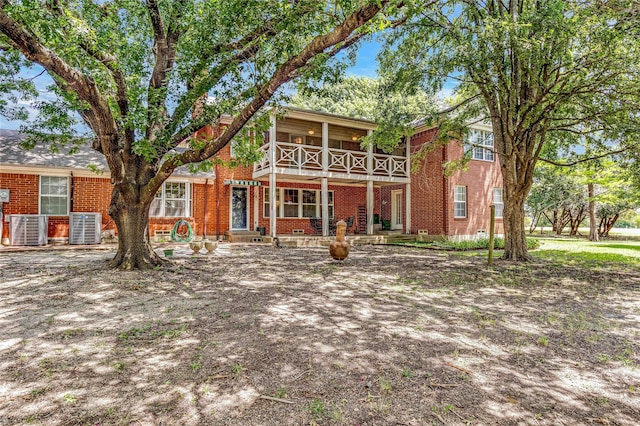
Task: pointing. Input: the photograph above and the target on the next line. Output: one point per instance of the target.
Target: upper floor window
(460, 201)
(498, 201)
(54, 195)
(482, 144)
(172, 200)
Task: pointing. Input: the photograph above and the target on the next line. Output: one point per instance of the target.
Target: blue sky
(366, 65)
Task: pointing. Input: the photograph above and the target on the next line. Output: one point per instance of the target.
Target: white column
(370, 207)
(407, 208)
(256, 206)
(407, 197)
(272, 176)
(324, 196)
(370, 200)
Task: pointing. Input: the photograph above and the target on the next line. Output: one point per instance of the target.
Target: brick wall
(94, 195)
(428, 195)
(432, 192)
(346, 202)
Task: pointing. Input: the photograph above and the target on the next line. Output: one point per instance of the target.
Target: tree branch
(282, 75)
(595, 157)
(80, 84)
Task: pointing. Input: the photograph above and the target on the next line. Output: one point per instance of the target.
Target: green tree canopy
(541, 72)
(370, 99)
(136, 73)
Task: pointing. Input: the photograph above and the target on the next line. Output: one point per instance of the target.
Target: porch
(322, 149)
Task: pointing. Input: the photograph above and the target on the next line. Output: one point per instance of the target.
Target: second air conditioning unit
(84, 228)
(28, 229)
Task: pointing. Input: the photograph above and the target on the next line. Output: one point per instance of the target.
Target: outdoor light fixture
(311, 131)
(354, 138)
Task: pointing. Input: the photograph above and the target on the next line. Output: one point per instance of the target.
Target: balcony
(303, 160)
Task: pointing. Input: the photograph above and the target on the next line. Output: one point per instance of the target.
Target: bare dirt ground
(392, 336)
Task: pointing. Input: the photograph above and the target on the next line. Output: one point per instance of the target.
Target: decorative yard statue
(339, 249)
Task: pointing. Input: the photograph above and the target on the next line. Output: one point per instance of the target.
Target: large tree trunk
(130, 212)
(593, 226)
(515, 240)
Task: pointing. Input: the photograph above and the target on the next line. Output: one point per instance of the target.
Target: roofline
(306, 114)
(476, 126)
(9, 168)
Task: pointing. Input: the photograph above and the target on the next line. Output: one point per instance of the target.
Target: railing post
(324, 192)
(408, 186)
(370, 201)
(492, 224)
(272, 176)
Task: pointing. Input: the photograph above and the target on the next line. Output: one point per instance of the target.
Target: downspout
(204, 213)
(71, 194)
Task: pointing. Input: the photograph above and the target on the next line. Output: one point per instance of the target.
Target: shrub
(480, 244)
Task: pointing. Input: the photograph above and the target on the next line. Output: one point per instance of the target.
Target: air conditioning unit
(84, 228)
(28, 229)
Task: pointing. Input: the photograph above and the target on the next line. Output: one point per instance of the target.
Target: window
(298, 203)
(309, 204)
(498, 201)
(267, 202)
(291, 202)
(479, 139)
(459, 201)
(172, 200)
(54, 195)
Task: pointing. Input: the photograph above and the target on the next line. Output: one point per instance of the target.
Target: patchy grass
(584, 253)
(393, 335)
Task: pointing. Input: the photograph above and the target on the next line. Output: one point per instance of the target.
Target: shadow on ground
(391, 336)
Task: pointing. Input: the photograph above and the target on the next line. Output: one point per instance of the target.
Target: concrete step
(244, 237)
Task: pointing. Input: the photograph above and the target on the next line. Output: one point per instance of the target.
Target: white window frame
(40, 195)
(280, 208)
(481, 142)
(457, 201)
(498, 202)
(266, 205)
(163, 199)
(284, 202)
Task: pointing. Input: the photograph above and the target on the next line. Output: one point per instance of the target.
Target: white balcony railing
(298, 158)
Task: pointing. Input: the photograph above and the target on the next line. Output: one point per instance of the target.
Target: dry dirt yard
(253, 335)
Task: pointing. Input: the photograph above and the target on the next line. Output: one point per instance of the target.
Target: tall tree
(367, 98)
(135, 72)
(539, 71)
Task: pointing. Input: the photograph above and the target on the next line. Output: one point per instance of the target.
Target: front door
(396, 209)
(239, 209)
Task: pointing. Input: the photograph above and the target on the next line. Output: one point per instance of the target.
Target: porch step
(401, 238)
(245, 237)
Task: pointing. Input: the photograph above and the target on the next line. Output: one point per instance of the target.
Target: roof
(12, 154)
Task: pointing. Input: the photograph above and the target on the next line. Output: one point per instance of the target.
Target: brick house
(313, 167)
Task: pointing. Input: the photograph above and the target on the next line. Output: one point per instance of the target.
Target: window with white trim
(297, 203)
(291, 202)
(267, 202)
(498, 201)
(54, 195)
(173, 199)
(478, 139)
(459, 201)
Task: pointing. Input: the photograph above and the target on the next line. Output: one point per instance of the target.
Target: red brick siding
(346, 202)
(94, 195)
(480, 177)
(428, 203)
(432, 192)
